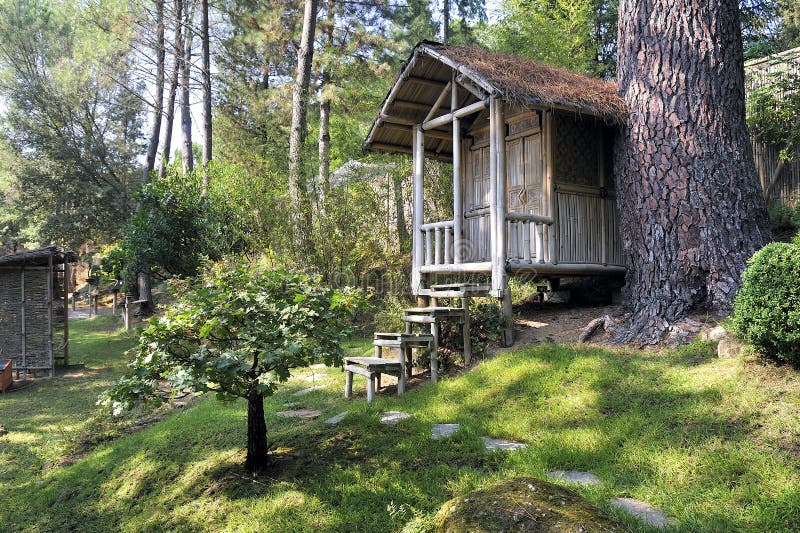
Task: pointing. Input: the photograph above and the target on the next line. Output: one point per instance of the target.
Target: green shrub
(784, 220)
(767, 308)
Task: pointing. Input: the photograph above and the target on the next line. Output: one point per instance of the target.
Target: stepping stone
(500, 444)
(393, 417)
(332, 421)
(441, 431)
(643, 511)
(305, 414)
(574, 476)
(306, 391)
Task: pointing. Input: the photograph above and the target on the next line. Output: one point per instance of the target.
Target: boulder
(524, 505)
(729, 347)
(715, 334)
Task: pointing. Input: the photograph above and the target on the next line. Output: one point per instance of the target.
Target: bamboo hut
(530, 147)
(34, 328)
(784, 185)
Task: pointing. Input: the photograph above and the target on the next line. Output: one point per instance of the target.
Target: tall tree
(206, 83)
(297, 134)
(177, 53)
(158, 101)
(691, 211)
(186, 80)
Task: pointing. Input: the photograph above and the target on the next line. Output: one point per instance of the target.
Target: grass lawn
(714, 443)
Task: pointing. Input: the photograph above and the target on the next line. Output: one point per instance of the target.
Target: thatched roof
(39, 257)
(522, 81)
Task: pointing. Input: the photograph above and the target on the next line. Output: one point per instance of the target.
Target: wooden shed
(34, 328)
(530, 147)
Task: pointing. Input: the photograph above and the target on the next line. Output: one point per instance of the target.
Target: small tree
(238, 331)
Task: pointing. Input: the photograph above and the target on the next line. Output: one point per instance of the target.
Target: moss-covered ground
(714, 443)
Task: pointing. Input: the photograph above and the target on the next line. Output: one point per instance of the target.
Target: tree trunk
(297, 134)
(445, 20)
(186, 65)
(324, 141)
(403, 238)
(257, 449)
(690, 206)
(206, 80)
(158, 107)
(145, 283)
(173, 89)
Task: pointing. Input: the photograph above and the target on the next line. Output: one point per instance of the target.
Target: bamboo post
(114, 302)
(551, 190)
(499, 127)
(466, 331)
(127, 313)
(417, 218)
(458, 195)
(493, 213)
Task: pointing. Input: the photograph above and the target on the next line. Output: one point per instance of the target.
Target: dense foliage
(237, 332)
(767, 307)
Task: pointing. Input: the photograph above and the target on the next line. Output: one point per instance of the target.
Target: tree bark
(403, 237)
(297, 134)
(324, 141)
(690, 206)
(173, 89)
(257, 448)
(186, 113)
(445, 20)
(206, 80)
(158, 107)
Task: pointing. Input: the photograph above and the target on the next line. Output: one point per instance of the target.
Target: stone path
(500, 444)
(305, 414)
(574, 476)
(393, 417)
(643, 511)
(332, 421)
(441, 431)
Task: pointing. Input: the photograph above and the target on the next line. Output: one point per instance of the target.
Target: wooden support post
(435, 352)
(508, 315)
(348, 384)
(370, 389)
(50, 356)
(127, 315)
(114, 303)
(466, 331)
(417, 215)
(550, 188)
(458, 195)
(499, 126)
(493, 215)
(401, 377)
(24, 346)
(379, 355)
(66, 311)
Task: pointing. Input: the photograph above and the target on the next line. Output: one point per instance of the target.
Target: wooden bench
(435, 316)
(373, 367)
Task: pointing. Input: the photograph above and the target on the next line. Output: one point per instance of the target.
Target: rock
(300, 413)
(303, 392)
(523, 505)
(643, 511)
(500, 444)
(557, 297)
(574, 476)
(729, 347)
(393, 417)
(441, 431)
(715, 334)
(332, 421)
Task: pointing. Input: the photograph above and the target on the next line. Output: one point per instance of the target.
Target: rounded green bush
(767, 309)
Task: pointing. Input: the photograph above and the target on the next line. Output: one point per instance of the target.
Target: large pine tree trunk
(257, 448)
(691, 211)
(297, 134)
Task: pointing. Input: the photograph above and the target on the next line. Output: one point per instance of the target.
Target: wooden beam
(458, 113)
(400, 149)
(391, 119)
(439, 101)
(413, 105)
(433, 134)
(493, 216)
(425, 81)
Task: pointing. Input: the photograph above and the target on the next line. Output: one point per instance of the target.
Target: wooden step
(456, 290)
(375, 364)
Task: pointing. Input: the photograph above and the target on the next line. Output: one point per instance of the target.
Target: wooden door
(524, 171)
(476, 216)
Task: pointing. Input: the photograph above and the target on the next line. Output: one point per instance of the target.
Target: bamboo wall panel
(37, 338)
(576, 144)
(788, 188)
(587, 229)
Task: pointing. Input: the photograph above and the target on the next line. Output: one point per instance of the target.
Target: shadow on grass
(639, 421)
